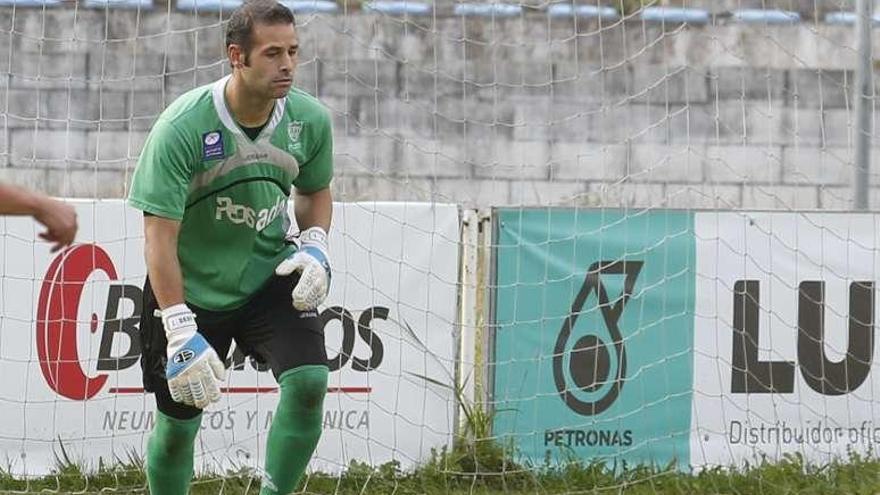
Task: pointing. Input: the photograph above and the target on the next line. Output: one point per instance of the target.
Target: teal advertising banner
(594, 320)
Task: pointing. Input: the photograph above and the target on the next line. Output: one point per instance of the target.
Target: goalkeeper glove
(194, 370)
(311, 261)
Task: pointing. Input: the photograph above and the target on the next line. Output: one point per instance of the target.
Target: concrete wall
(806, 8)
(521, 111)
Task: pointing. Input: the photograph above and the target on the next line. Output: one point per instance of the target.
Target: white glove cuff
(315, 236)
(178, 317)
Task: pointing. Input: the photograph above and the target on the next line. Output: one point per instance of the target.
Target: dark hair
(240, 29)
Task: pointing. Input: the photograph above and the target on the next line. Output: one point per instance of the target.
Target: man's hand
(313, 264)
(59, 219)
(194, 370)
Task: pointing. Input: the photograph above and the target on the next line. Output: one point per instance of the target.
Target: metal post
(863, 104)
(468, 318)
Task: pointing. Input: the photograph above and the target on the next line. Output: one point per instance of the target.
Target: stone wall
(524, 111)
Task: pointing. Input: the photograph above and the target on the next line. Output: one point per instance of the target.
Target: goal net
(577, 245)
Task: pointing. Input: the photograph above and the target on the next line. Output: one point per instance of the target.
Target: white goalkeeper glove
(194, 371)
(313, 264)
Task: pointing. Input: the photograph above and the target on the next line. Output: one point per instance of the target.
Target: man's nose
(287, 66)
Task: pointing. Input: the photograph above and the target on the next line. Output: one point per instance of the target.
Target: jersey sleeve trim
(155, 209)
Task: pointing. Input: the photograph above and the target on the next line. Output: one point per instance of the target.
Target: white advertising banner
(69, 347)
(784, 339)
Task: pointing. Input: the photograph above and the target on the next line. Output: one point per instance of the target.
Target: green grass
(478, 465)
(482, 469)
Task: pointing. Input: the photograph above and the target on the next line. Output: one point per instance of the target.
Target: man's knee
(305, 387)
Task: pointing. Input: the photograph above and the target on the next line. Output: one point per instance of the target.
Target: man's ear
(236, 58)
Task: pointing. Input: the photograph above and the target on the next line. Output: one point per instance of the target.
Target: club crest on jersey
(294, 129)
(212, 145)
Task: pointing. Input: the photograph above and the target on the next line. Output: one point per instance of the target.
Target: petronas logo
(596, 369)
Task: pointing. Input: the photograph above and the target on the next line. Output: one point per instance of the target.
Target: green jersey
(229, 191)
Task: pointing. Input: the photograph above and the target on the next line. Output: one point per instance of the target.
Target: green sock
(296, 428)
(170, 454)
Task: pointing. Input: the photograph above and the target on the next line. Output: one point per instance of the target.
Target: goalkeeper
(213, 181)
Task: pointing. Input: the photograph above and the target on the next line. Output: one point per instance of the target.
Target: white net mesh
(647, 290)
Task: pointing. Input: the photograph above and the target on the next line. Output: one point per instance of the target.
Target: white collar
(218, 93)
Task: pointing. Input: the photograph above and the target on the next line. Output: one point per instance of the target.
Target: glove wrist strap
(178, 318)
(314, 236)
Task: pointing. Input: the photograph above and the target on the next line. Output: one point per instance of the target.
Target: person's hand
(194, 371)
(313, 264)
(60, 222)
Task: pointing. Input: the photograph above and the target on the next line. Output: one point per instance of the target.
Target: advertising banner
(785, 337)
(707, 338)
(69, 345)
(593, 334)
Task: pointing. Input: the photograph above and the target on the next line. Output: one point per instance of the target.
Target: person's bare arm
(163, 266)
(58, 218)
(192, 379)
(313, 214)
(313, 209)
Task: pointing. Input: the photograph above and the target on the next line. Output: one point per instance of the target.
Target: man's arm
(313, 214)
(58, 218)
(18, 201)
(313, 209)
(194, 369)
(163, 266)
